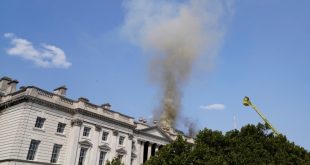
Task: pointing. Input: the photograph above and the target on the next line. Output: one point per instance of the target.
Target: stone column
(128, 147)
(73, 142)
(156, 148)
(96, 138)
(138, 152)
(114, 144)
(141, 154)
(149, 150)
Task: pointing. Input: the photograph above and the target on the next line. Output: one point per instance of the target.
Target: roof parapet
(83, 99)
(62, 90)
(106, 106)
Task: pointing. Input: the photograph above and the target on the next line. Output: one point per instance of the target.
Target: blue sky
(264, 54)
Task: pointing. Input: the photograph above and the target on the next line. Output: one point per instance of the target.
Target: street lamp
(247, 102)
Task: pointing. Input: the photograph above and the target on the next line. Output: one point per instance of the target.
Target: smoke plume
(175, 34)
(191, 126)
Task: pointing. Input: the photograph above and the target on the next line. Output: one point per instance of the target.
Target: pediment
(86, 143)
(121, 151)
(155, 131)
(133, 155)
(105, 147)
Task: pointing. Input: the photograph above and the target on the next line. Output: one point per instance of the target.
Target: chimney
(61, 90)
(4, 84)
(12, 86)
(142, 120)
(22, 87)
(83, 99)
(7, 85)
(106, 106)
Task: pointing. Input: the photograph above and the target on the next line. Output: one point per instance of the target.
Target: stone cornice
(91, 114)
(86, 143)
(121, 151)
(105, 147)
(18, 97)
(143, 132)
(153, 136)
(24, 89)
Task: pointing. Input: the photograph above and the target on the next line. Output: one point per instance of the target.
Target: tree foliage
(251, 145)
(115, 161)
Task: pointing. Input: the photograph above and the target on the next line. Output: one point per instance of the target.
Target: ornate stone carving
(121, 151)
(86, 143)
(130, 136)
(105, 147)
(76, 122)
(115, 132)
(98, 128)
(133, 155)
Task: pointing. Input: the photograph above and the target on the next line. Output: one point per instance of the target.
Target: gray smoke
(175, 34)
(191, 126)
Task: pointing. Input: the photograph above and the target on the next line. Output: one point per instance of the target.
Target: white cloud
(213, 107)
(46, 56)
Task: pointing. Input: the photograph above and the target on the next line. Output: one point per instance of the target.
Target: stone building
(42, 127)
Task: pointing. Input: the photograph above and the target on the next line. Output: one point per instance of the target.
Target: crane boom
(247, 102)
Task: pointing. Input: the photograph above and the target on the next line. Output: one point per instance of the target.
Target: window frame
(82, 161)
(107, 136)
(55, 153)
(123, 141)
(39, 124)
(88, 133)
(133, 146)
(33, 148)
(102, 159)
(61, 128)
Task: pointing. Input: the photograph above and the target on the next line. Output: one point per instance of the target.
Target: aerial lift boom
(247, 102)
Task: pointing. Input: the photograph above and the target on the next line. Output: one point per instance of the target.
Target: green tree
(115, 161)
(176, 152)
(251, 145)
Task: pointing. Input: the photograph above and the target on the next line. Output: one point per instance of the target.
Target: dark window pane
(101, 157)
(32, 149)
(55, 153)
(61, 127)
(82, 156)
(121, 140)
(39, 122)
(105, 136)
(86, 131)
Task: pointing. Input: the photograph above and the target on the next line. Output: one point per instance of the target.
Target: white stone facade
(41, 127)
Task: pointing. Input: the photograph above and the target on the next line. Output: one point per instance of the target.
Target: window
(133, 146)
(61, 127)
(121, 140)
(82, 156)
(55, 153)
(101, 157)
(131, 161)
(39, 122)
(105, 136)
(86, 131)
(32, 149)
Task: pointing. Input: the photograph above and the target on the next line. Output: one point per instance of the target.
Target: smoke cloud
(175, 34)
